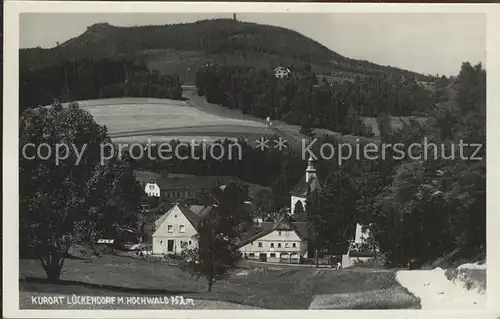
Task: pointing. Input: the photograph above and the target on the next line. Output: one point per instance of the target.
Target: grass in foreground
(270, 288)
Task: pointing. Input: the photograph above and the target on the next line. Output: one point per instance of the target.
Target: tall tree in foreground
(214, 256)
(216, 252)
(64, 203)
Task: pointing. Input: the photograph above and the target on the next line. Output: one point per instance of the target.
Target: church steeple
(311, 170)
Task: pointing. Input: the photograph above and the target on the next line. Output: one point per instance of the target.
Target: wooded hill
(182, 48)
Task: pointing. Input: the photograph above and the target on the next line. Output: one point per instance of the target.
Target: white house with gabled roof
(176, 228)
(282, 241)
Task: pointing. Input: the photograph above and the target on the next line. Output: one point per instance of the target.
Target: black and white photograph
(251, 160)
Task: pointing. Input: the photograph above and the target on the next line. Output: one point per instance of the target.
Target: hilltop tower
(234, 17)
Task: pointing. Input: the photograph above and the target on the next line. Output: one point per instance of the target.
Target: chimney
(310, 171)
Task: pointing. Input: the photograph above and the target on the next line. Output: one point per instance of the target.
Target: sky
(431, 43)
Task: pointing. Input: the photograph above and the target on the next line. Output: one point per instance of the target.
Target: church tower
(234, 16)
(309, 183)
(311, 170)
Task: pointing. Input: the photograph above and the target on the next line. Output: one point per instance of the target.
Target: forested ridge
(249, 43)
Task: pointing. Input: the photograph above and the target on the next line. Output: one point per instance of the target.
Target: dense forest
(425, 209)
(87, 79)
(305, 100)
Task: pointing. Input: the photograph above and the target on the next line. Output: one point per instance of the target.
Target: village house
(180, 187)
(282, 241)
(152, 189)
(177, 229)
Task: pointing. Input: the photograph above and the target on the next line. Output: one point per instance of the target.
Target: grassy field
(272, 287)
(139, 119)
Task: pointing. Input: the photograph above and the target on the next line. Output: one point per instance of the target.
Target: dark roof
(196, 208)
(145, 176)
(301, 228)
(269, 219)
(361, 254)
(267, 227)
(192, 181)
(304, 188)
(154, 213)
(194, 218)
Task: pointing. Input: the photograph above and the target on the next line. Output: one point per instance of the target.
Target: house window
(181, 229)
(272, 255)
(251, 254)
(190, 242)
(260, 244)
(294, 245)
(279, 233)
(170, 229)
(279, 245)
(161, 242)
(272, 245)
(286, 245)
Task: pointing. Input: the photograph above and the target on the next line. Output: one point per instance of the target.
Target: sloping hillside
(179, 48)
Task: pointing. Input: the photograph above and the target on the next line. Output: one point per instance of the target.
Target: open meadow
(139, 119)
(268, 287)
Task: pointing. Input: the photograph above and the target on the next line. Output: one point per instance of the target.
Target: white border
(10, 151)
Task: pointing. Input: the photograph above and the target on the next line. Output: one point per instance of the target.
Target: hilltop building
(281, 72)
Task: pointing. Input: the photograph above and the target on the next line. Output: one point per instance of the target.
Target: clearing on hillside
(139, 119)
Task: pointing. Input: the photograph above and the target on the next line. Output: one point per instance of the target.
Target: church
(289, 238)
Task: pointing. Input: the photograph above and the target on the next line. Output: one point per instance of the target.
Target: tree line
(245, 161)
(84, 79)
(311, 101)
